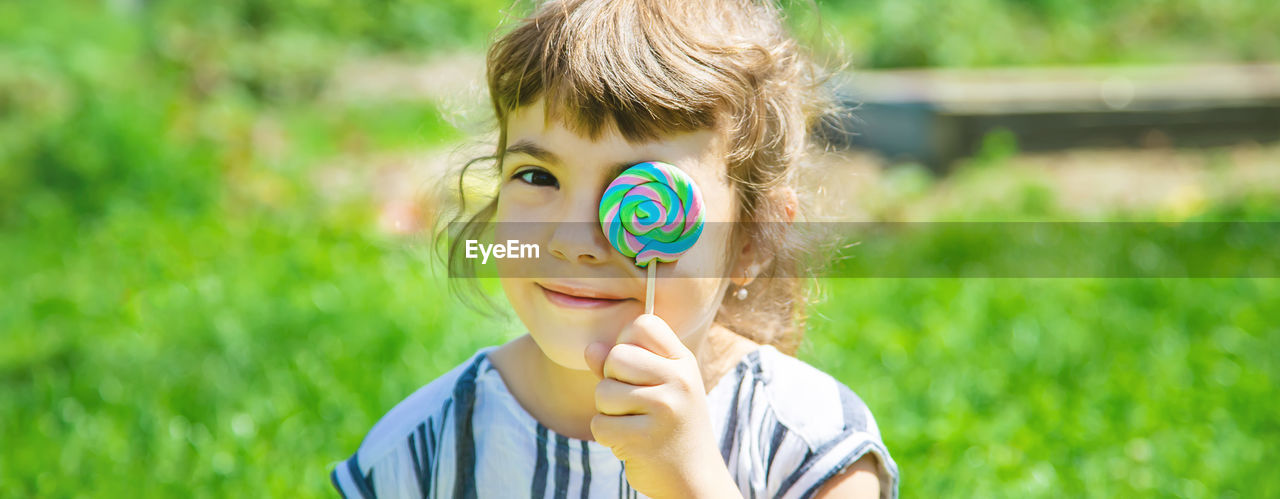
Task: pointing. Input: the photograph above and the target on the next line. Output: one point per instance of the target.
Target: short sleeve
(833, 457)
(810, 462)
(351, 481)
(403, 455)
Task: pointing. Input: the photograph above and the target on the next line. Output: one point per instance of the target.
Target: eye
(537, 176)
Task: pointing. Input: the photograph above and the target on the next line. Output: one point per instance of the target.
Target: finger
(616, 398)
(615, 431)
(595, 355)
(634, 365)
(655, 335)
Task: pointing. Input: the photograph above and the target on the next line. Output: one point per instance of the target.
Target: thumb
(652, 333)
(595, 354)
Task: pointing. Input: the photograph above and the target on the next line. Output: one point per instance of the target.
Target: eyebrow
(526, 147)
(541, 154)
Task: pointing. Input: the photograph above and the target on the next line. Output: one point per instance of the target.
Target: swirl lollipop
(652, 211)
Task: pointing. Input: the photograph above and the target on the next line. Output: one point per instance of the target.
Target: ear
(745, 266)
(749, 261)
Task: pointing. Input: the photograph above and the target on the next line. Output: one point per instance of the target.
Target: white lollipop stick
(648, 288)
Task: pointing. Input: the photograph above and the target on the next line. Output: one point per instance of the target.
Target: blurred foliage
(956, 33)
(185, 314)
(124, 102)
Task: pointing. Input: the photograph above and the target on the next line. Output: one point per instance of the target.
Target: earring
(741, 294)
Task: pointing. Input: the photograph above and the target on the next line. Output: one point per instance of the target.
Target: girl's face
(553, 179)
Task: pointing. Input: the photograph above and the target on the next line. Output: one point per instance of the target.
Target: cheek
(523, 203)
(530, 237)
(518, 297)
(687, 304)
(689, 289)
(709, 256)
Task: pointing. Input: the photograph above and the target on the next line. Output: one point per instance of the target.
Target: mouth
(578, 297)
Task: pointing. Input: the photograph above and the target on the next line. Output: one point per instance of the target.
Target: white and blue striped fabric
(784, 428)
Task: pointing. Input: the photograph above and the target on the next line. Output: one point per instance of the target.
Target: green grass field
(186, 314)
(231, 355)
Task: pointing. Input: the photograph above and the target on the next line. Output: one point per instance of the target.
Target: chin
(566, 353)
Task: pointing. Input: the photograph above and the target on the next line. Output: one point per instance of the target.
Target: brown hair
(655, 67)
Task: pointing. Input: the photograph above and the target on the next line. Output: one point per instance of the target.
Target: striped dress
(784, 428)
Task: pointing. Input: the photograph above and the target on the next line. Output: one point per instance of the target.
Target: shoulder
(811, 403)
(429, 403)
(824, 427)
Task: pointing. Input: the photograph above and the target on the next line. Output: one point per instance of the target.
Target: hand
(653, 413)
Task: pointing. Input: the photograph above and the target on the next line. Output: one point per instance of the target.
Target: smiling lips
(578, 297)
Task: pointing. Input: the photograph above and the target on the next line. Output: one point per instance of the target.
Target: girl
(699, 399)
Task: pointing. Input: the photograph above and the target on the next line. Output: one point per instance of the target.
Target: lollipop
(652, 211)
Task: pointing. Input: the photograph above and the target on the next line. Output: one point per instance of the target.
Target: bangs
(628, 64)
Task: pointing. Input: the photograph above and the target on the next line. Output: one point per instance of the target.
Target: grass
(157, 354)
(154, 355)
(184, 314)
(1051, 387)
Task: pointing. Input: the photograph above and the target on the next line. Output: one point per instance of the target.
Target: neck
(568, 408)
(718, 351)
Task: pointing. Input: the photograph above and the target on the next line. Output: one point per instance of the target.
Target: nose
(578, 238)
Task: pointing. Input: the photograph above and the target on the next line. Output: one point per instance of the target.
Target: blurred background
(215, 279)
